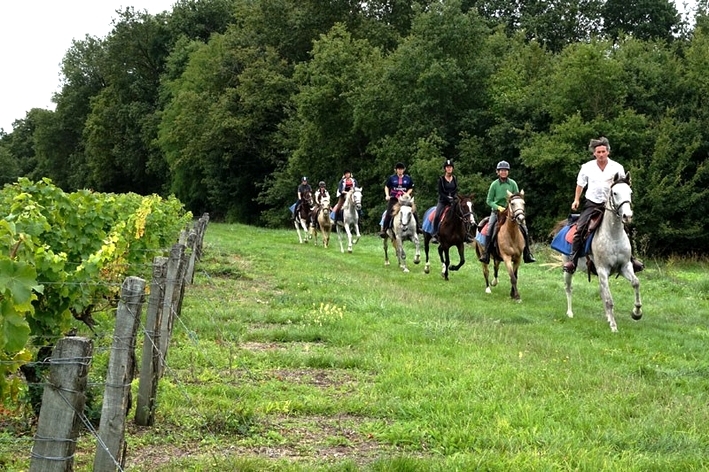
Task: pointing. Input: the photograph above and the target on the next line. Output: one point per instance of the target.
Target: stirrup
(434, 239)
(570, 267)
(485, 258)
(638, 265)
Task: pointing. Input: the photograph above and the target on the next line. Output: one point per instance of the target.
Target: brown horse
(455, 226)
(510, 243)
(321, 214)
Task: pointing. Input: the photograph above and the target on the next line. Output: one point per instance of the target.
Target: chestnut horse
(510, 243)
(456, 224)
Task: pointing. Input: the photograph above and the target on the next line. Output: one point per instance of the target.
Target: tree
(643, 19)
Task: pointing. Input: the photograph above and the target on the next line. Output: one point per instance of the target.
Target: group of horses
(311, 216)
(610, 249)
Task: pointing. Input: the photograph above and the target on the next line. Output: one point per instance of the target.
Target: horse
(455, 225)
(301, 218)
(404, 229)
(321, 214)
(610, 251)
(510, 243)
(350, 217)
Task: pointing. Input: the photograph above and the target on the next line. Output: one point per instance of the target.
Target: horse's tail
(557, 227)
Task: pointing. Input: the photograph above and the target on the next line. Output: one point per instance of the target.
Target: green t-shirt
(497, 195)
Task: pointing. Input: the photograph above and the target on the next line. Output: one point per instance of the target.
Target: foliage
(64, 256)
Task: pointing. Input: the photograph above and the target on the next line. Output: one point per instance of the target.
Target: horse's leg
(495, 272)
(568, 279)
(356, 227)
(339, 237)
(606, 296)
(297, 228)
(461, 256)
(385, 245)
(512, 270)
(417, 243)
(444, 254)
(426, 245)
(401, 253)
(349, 237)
(629, 274)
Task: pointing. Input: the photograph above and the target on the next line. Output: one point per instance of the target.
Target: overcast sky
(36, 34)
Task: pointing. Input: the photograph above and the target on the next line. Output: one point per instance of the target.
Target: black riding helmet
(448, 162)
(399, 165)
(304, 179)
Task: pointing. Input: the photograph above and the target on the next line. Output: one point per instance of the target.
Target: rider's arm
(577, 197)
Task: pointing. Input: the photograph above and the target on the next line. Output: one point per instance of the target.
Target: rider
(347, 182)
(596, 176)
(497, 200)
(302, 188)
(321, 193)
(395, 186)
(447, 191)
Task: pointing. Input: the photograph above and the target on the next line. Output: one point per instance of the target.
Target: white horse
(301, 218)
(611, 250)
(404, 229)
(324, 222)
(350, 217)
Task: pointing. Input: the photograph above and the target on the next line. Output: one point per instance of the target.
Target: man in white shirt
(596, 176)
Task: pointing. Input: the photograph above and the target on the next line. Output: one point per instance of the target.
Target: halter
(610, 203)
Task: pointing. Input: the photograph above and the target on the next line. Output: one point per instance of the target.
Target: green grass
(298, 358)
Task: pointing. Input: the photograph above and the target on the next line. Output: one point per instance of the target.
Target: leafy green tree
(643, 19)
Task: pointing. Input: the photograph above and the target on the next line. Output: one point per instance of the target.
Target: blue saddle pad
(427, 222)
(560, 244)
(481, 238)
(292, 208)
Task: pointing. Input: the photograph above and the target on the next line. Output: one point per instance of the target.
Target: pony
(321, 214)
(301, 217)
(404, 229)
(456, 224)
(510, 244)
(350, 218)
(610, 251)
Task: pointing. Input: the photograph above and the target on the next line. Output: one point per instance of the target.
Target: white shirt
(598, 181)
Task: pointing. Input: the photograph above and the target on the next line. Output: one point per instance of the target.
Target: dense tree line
(226, 103)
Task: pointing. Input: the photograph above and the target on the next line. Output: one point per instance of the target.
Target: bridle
(614, 207)
(465, 215)
(516, 211)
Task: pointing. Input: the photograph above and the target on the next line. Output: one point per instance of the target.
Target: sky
(36, 34)
(34, 37)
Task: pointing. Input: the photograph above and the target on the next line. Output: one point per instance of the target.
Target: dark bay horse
(456, 224)
(611, 251)
(510, 243)
(301, 218)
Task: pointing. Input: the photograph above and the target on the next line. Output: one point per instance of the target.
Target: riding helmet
(304, 179)
(503, 165)
(321, 184)
(448, 162)
(399, 165)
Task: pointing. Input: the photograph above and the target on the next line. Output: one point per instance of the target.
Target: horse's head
(406, 212)
(620, 200)
(468, 212)
(515, 207)
(356, 195)
(325, 202)
(308, 197)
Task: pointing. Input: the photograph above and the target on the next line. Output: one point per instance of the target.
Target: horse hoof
(636, 316)
(406, 271)
(570, 314)
(487, 290)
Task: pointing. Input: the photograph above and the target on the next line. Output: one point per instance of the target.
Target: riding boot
(434, 236)
(638, 265)
(527, 253)
(385, 226)
(485, 258)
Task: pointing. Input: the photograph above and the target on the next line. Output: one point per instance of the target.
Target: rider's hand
(500, 208)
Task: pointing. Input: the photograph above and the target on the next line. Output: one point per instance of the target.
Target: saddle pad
(563, 244)
(560, 244)
(571, 233)
(485, 229)
(481, 238)
(292, 208)
(428, 217)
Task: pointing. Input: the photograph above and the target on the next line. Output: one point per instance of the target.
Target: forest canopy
(227, 103)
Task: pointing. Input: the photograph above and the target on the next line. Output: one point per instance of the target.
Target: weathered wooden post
(192, 244)
(62, 406)
(173, 287)
(150, 369)
(111, 449)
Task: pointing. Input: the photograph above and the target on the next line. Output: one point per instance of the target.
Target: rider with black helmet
(497, 201)
(302, 188)
(447, 191)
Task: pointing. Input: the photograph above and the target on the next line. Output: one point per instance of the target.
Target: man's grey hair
(602, 141)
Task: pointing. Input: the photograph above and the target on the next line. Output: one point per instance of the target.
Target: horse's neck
(511, 227)
(612, 225)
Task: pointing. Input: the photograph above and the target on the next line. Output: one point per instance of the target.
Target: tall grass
(294, 357)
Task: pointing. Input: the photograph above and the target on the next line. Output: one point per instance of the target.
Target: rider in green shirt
(497, 201)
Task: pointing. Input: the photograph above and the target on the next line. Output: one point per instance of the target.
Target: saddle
(593, 224)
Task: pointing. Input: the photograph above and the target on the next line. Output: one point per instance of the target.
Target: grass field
(299, 358)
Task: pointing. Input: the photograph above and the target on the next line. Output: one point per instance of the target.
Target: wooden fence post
(173, 287)
(62, 406)
(111, 449)
(192, 244)
(150, 369)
